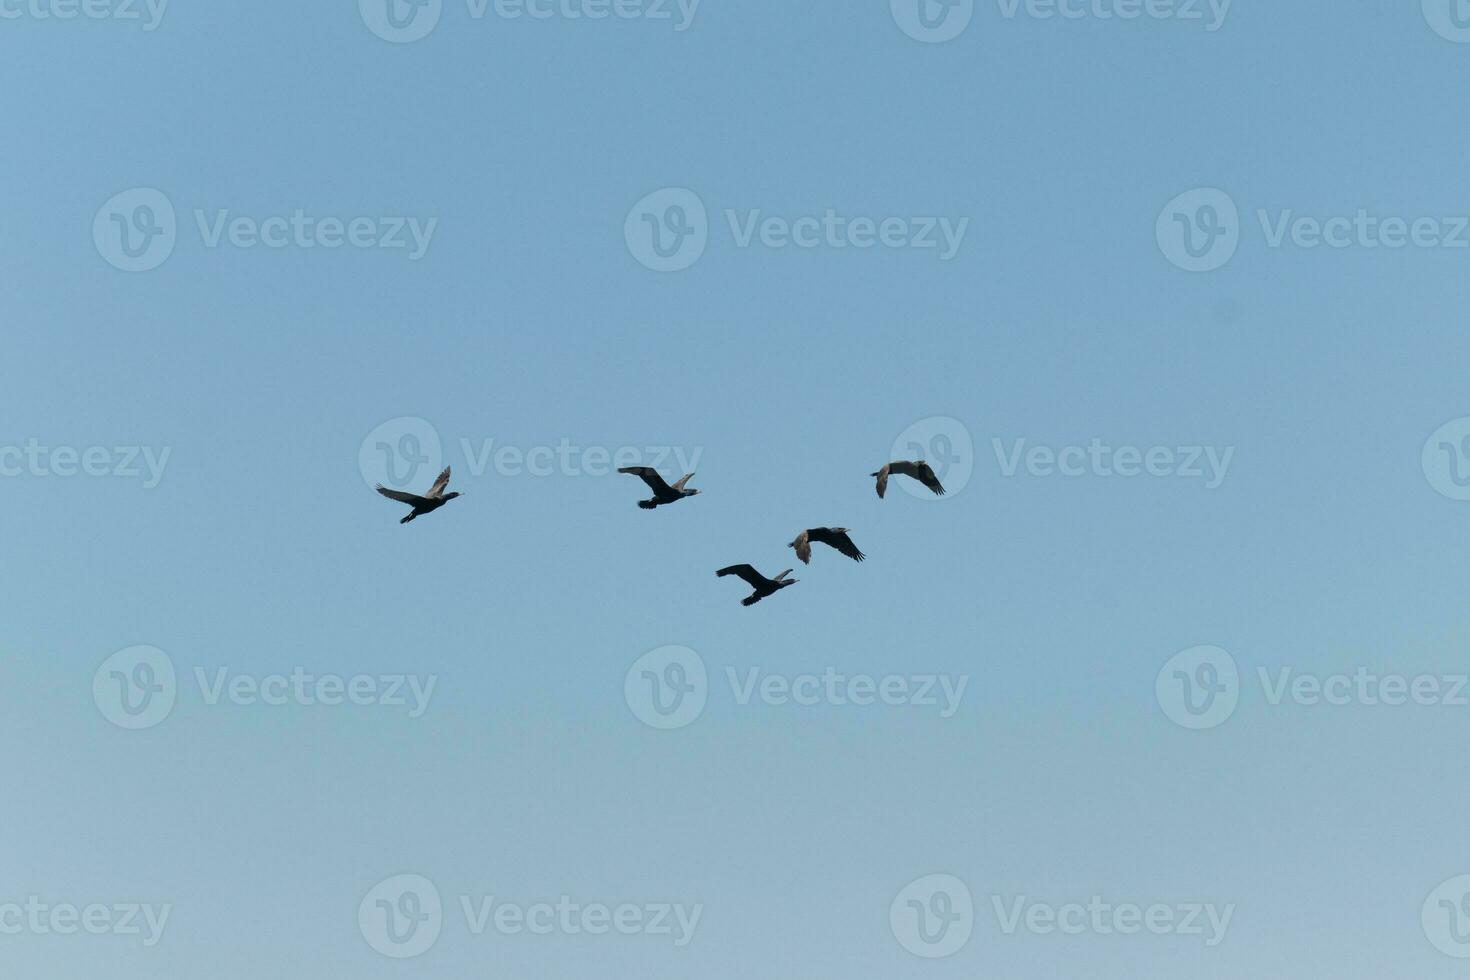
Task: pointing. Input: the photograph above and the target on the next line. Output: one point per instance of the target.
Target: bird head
(451, 496)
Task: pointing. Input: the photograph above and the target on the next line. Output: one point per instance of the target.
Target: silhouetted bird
(662, 492)
(835, 537)
(918, 470)
(428, 503)
(763, 586)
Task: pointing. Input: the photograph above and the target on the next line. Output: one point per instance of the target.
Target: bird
(662, 492)
(835, 537)
(918, 469)
(763, 586)
(428, 503)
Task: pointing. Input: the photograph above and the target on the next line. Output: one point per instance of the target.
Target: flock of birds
(665, 493)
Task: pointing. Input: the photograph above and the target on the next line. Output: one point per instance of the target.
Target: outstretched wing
(755, 578)
(803, 547)
(402, 497)
(683, 480)
(437, 490)
(882, 476)
(838, 540)
(782, 576)
(926, 476)
(648, 475)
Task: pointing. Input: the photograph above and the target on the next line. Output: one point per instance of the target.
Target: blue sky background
(529, 322)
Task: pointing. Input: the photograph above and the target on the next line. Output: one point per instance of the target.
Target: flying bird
(834, 537)
(763, 586)
(919, 470)
(428, 503)
(662, 492)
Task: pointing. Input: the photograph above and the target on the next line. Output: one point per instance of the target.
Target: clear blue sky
(529, 321)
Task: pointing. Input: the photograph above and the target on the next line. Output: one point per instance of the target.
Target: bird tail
(411, 516)
(647, 504)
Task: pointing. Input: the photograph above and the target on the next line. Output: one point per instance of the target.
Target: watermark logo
(1450, 19)
(39, 918)
(668, 230)
(1184, 11)
(302, 230)
(1446, 459)
(406, 21)
(1209, 464)
(836, 231)
(679, 13)
(933, 916)
(135, 688)
(838, 690)
(567, 917)
(401, 21)
(148, 12)
(403, 453)
(138, 687)
(1199, 231)
(932, 21)
(1199, 688)
(121, 462)
(1103, 918)
(1446, 917)
(409, 691)
(937, 21)
(945, 444)
(404, 916)
(1363, 687)
(136, 230)
(568, 459)
(401, 917)
(667, 688)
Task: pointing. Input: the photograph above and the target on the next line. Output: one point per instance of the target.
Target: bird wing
(782, 576)
(838, 540)
(755, 578)
(402, 497)
(925, 475)
(648, 475)
(683, 480)
(882, 476)
(803, 547)
(442, 481)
